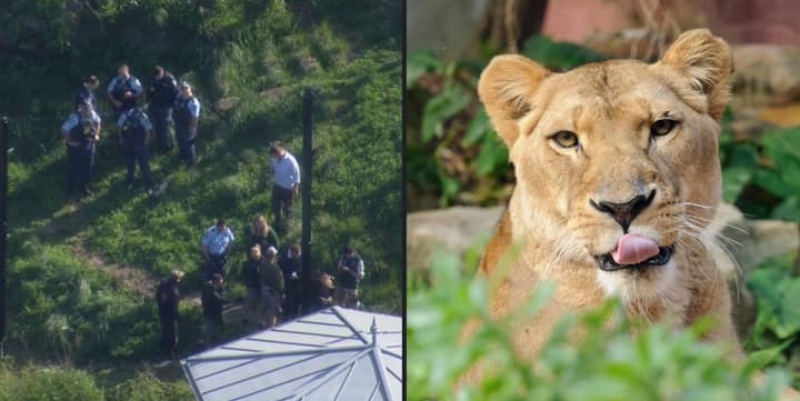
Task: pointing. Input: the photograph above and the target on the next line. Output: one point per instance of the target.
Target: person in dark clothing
(351, 271)
(213, 298)
(292, 269)
(81, 131)
(251, 275)
(86, 92)
(134, 134)
(262, 234)
(167, 297)
(161, 95)
(186, 112)
(272, 286)
(322, 296)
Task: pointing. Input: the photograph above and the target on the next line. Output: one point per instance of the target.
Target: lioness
(618, 176)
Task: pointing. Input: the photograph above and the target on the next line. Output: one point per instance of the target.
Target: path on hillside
(140, 281)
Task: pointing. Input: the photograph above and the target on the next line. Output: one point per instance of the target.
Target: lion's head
(616, 162)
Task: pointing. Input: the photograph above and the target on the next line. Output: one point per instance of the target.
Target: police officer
(186, 111)
(168, 297)
(123, 91)
(134, 133)
(81, 131)
(161, 95)
(85, 93)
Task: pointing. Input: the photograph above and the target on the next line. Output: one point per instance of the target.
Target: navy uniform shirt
(85, 95)
(163, 91)
(185, 109)
(81, 129)
(134, 126)
(118, 86)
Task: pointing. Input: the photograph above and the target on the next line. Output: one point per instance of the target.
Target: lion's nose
(625, 212)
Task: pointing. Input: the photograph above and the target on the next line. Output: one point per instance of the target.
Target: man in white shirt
(285, 183)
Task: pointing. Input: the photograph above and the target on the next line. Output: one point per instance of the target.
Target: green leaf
(450, 188)
(419, 63)
(760, 359)
(727, 115)
(788, 210)
(559, 55)
(774, 182)
(762, 283)
(789, 315)
(442, 107)
(733, 181)
(783, 148)
(744, 156)
(493, 156)
(478, 128)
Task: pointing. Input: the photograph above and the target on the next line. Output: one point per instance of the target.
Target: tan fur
(611, 106)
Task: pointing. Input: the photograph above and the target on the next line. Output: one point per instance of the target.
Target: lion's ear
(506, 87)
(706, 60)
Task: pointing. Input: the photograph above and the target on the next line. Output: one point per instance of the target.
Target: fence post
(4, 127)
(305, 179)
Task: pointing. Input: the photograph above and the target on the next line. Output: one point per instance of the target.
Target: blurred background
(459, 179)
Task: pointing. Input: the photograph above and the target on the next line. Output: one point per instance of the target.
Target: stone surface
(444, 26)
(766, 73)
(454, 229)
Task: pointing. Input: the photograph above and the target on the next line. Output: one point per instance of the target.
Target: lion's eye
(662, 127)
(565, 139)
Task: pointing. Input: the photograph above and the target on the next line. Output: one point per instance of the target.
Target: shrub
(48, 384)
(146, 387)
(608, 364)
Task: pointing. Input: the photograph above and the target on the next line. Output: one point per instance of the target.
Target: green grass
(70, 300)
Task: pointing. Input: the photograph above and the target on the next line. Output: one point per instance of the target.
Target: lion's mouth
(607, 263)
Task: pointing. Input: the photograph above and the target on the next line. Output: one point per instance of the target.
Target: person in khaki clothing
(272, 287)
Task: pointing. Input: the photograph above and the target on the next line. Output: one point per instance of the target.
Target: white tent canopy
(335, 354)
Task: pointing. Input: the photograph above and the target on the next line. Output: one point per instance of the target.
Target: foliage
(146, 387)
(608, 364)
(64, 383)
(78, 311)
(249, 62)
(451, 147)
(775, 337)
(48, 384)
(762, 175)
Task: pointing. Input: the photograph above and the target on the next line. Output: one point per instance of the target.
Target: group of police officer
(166, 101)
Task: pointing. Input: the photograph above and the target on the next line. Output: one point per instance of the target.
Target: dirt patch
(141, 282)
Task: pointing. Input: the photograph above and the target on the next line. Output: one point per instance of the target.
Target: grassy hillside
(82, 273)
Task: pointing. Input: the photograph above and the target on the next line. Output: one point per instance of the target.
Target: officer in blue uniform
(161, 95)
(123, 91)
(186, 111)
(86, 92)
(134, 132)
(81, 131)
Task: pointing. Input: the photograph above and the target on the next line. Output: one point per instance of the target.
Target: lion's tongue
(633, 249)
